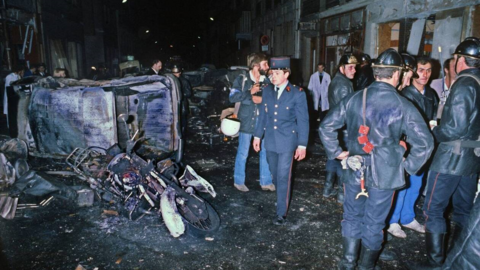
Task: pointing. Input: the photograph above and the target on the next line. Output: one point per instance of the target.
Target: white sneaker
(414, 225)
(270, 187)
(396, 230)
(242, 188)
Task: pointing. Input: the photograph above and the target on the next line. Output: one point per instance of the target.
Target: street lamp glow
(124, 1)
(198, 37)
(147, 31)
(211, 19)
(193, 46)
(171, 46)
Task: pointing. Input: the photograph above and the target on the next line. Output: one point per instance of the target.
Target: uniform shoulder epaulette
(298, 87)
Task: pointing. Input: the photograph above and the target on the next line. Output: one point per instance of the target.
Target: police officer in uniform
(456, 163)
(340, 87)
(376, 166)
(283, 122)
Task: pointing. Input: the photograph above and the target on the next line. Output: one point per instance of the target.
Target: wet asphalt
(64, 236)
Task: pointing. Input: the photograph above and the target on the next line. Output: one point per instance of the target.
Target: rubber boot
(351, 248)
(328, 190)
(387, 255)
(368, 258)
(455, 236)
(341, 193)
(435, 253)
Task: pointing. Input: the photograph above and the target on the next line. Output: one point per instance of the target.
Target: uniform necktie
(277, 90)
(321, 77)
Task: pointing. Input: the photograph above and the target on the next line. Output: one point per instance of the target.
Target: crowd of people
(20, 71)
(388, 131)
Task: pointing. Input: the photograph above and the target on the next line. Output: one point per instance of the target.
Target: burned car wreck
(122, 137)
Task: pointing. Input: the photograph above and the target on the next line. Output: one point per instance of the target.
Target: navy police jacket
(283, 122)
(247, 113)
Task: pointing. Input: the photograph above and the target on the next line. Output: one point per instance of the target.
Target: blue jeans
(440, 188)
(404, 207)
(244, 142)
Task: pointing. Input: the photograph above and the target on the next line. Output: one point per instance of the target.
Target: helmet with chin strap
(410, 64)
(470, 47)
(390, 58)
(365, 58)
(176, 69)
(348, 59)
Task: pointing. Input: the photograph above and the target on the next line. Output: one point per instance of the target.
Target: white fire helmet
(230, 126)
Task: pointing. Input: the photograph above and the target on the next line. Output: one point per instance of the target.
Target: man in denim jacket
(247, 90)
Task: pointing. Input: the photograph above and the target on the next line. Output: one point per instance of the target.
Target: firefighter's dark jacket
(339, 87)
(460, 121)
(388, 115)
(427, 103)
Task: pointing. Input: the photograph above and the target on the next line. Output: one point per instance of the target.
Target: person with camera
(247, 90)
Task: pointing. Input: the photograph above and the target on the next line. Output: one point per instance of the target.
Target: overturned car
(122, 137)
(54, 120)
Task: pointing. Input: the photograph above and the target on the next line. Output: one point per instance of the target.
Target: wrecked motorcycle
(146, 188)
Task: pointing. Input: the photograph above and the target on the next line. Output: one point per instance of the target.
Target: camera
(261, 85)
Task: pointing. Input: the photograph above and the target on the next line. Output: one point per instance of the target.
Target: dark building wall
(59, 27)
(63, 31)
(26, 5)
(94, 33)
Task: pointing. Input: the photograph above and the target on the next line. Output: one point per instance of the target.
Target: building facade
(71, 34)
(329, 28)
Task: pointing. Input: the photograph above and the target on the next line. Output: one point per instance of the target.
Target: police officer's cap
(348, 59)
(366, 58)
(470, 47)
(389, 59)
(410, 64)
(280, 63)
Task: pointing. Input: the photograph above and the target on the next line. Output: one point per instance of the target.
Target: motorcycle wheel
(200, 227)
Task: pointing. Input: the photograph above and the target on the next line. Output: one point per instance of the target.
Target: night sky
(177, 23)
